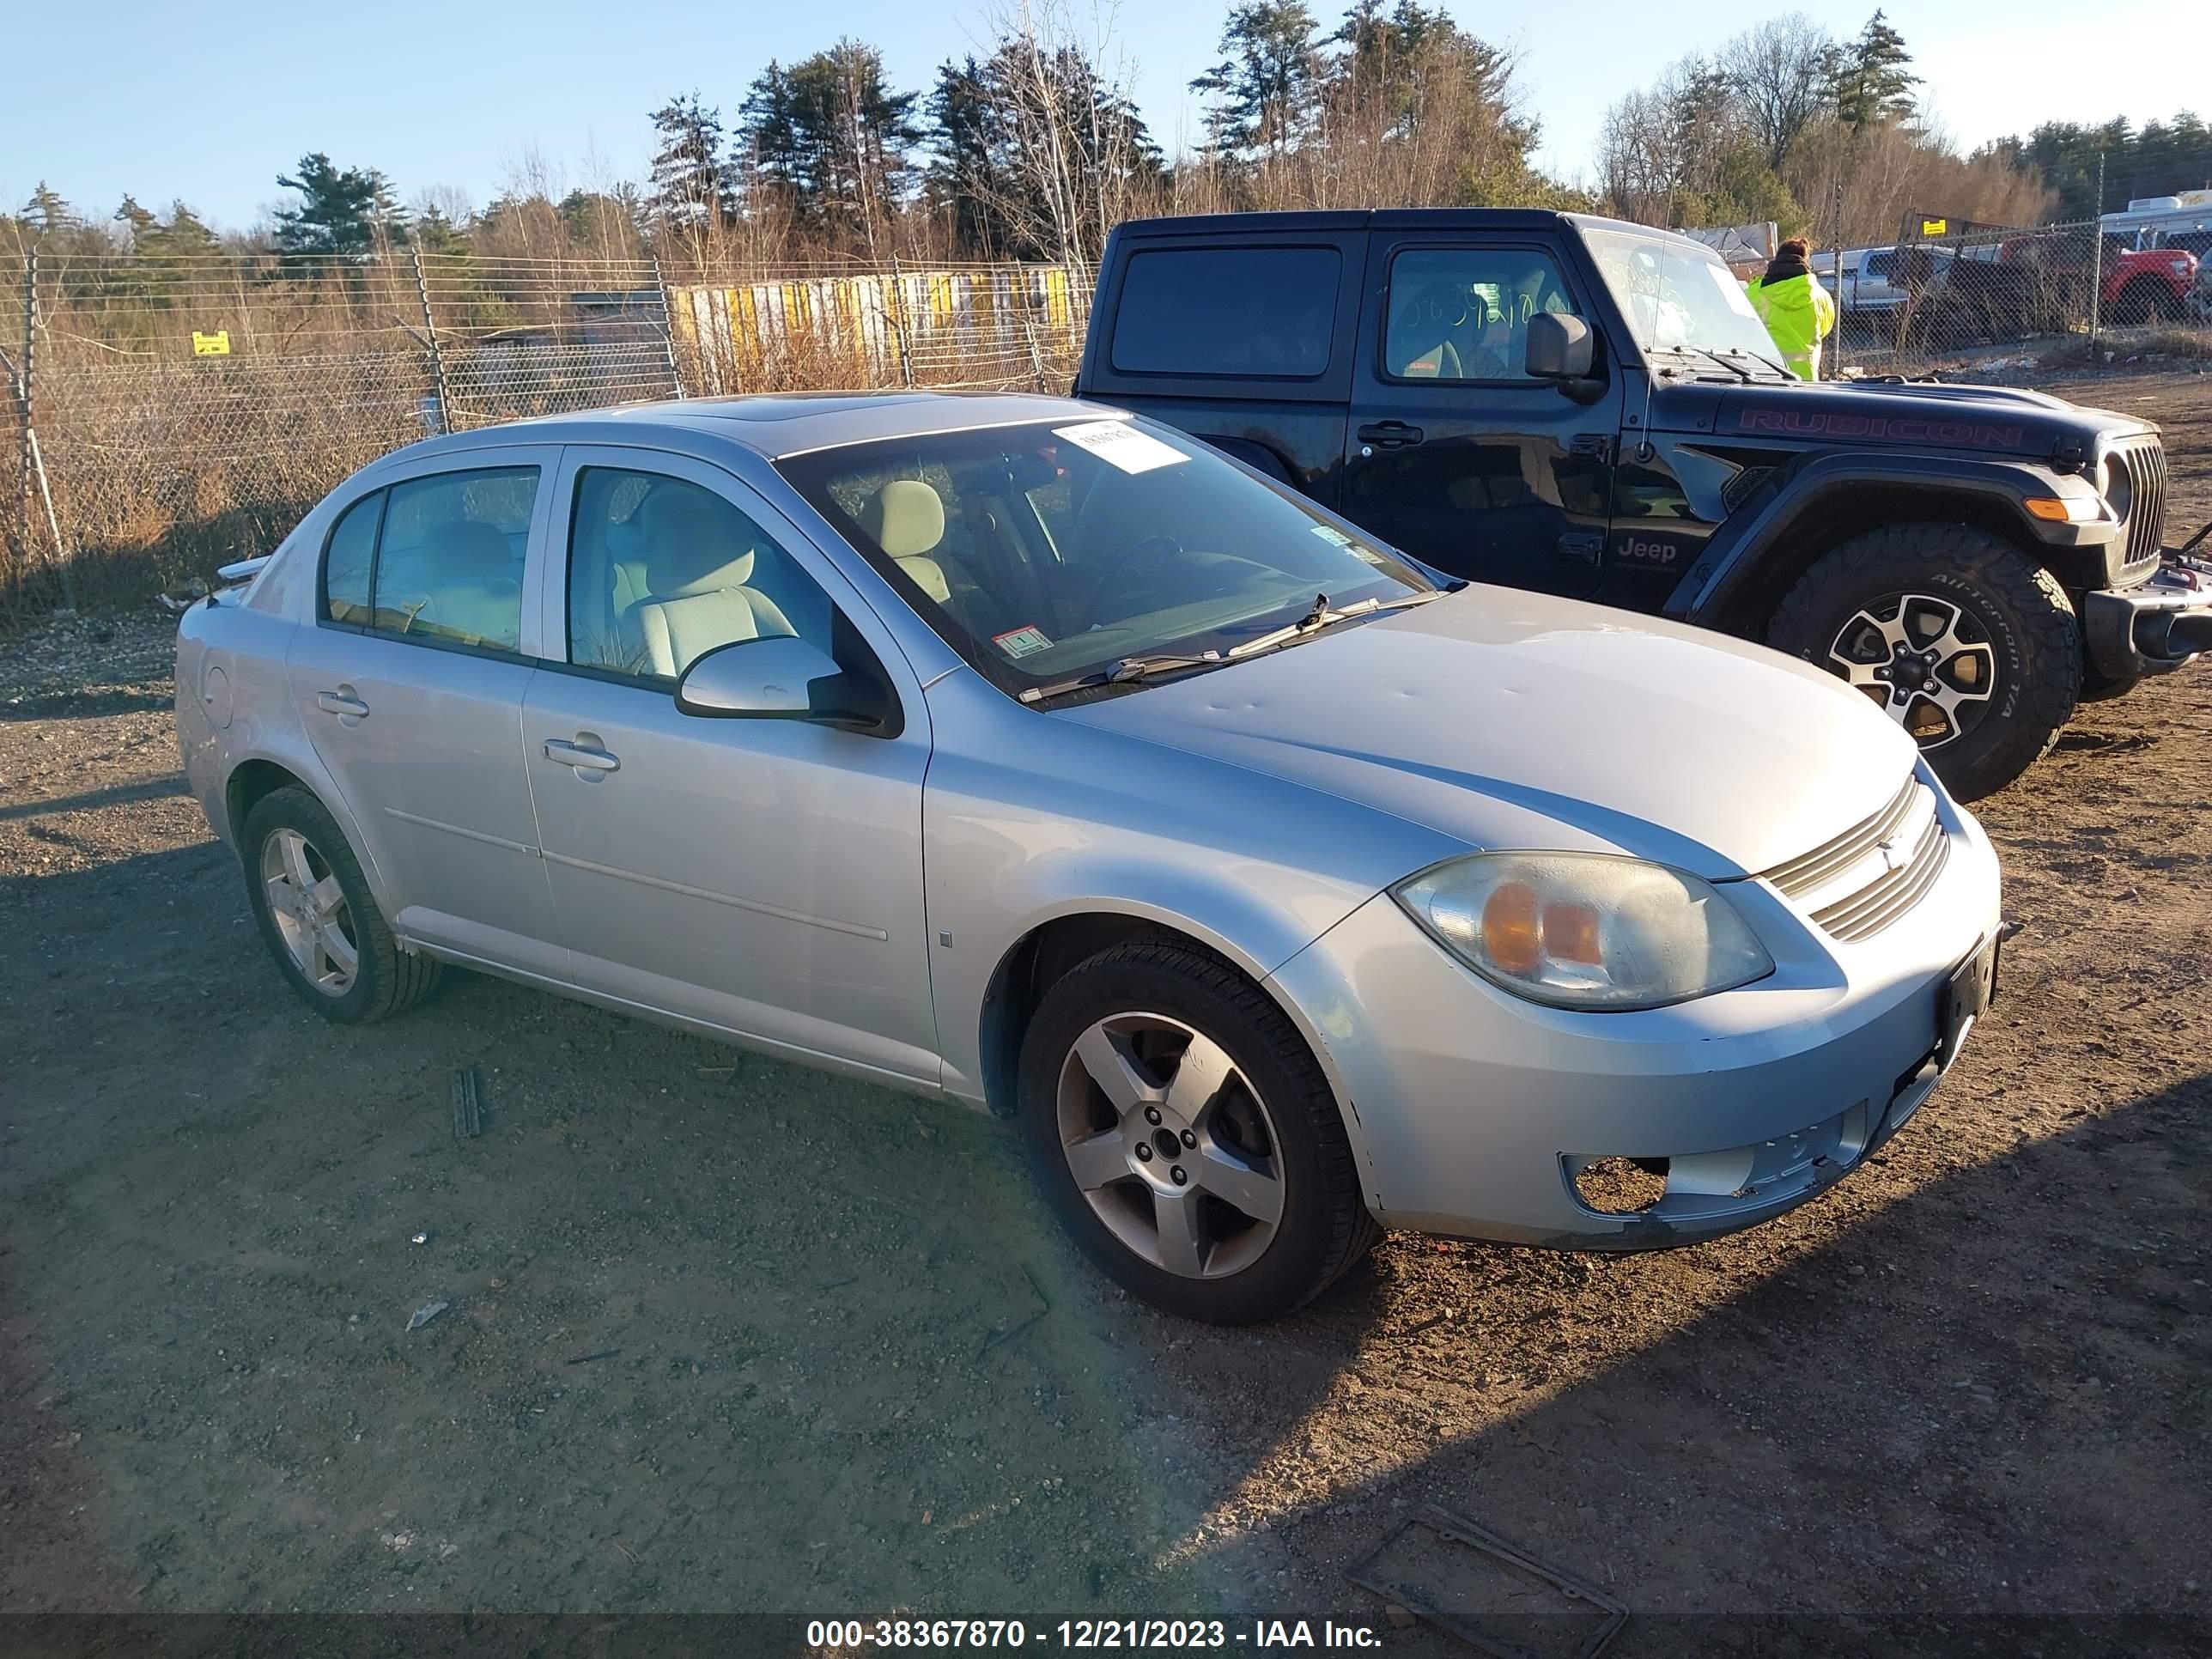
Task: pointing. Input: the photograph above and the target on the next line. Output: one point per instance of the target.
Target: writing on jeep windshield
(1680, 298)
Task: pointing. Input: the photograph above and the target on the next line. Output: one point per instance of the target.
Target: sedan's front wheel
(317, 917)
(1185, 1136)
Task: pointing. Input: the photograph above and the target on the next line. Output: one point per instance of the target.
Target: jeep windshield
(1096, 553)
(1684, 306)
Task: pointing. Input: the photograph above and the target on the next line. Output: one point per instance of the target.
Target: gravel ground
(721, 1335)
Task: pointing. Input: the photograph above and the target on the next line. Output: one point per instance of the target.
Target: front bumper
(2153, 628)
(1471, 1110)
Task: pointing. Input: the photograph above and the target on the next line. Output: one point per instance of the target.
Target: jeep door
(1453, 452)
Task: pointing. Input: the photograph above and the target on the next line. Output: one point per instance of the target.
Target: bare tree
(1779, 73)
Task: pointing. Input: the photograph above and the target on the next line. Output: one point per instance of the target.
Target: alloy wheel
(1170, 1145)
(310, 910)
(1925, 660)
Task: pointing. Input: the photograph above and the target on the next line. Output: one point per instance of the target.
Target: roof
(776, 424)
(1384, 218)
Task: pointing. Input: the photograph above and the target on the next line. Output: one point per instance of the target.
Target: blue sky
(209, 103)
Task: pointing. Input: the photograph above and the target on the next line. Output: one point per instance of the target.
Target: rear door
(410, 685)
(1242, 337)
(1452, 453)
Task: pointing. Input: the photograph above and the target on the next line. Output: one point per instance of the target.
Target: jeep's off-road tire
(1185, 1136)
(316, 915)
(1963, 641)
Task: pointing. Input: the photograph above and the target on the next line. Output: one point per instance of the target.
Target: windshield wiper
(1737, 369)
(1122, 670)
(1321, 617)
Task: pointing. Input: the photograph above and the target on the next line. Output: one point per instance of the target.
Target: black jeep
(1591, 408)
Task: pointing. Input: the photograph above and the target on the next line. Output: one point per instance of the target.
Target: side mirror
(1560, 347)
(782, 678)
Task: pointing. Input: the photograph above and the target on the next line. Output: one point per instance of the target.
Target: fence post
(23, 400)
(1836, 252)
(34, 464)
(2097, 251)
(1028, 326)
(430, 336)
(896, 316)
(667, 325)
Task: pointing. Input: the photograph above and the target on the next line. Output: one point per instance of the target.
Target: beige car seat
(907, 520)
(699, 557)
(475, 597)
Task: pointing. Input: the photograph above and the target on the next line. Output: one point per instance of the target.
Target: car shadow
(1974, 1409)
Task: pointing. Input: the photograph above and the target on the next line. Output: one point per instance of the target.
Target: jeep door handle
(341, 702)
(592, 759)
(1390, 435)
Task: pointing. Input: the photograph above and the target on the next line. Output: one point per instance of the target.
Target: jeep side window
(1462, 313)
(1239, 313)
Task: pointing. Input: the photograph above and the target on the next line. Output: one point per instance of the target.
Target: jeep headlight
(1589, 931)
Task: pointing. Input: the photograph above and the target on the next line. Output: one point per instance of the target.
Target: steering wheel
(1132, 573)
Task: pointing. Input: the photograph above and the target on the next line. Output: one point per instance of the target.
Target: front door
(762, 877)
(1452, 453)
(410, 686)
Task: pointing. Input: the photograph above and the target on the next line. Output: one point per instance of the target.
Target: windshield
(1049, 552)
(1677, 298)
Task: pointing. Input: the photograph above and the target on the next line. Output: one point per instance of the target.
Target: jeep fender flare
(1816, 493)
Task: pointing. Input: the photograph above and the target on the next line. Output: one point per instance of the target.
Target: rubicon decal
(1800, 423)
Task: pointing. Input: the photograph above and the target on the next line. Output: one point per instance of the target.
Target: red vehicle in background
(2134, 285)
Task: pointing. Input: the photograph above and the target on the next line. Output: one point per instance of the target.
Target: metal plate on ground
(1493, 1594)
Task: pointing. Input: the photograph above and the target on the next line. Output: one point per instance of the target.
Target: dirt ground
(726, 1335)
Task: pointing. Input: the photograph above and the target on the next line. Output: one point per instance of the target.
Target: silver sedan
(1017, 750)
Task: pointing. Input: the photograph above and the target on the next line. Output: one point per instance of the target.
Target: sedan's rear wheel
(1186, 1137)
(317, 917)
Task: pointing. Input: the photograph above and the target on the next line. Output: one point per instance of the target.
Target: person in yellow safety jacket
(1795, 308)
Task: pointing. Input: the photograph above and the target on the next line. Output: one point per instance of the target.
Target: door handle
(583, 759)
(1390, 435)
(341, 702)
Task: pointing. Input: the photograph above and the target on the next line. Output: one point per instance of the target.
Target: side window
(449, 560)
(1267, 312)
(662, 571)
(347, 558)
(1462, 313)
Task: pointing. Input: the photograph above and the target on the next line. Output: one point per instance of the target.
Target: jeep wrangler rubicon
(1591, 408)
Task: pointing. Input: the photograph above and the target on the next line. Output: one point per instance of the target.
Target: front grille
(1861, 911)
(2143, 459)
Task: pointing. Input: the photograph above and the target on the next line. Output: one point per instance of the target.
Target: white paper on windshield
(1120, 444)
(1732, 291)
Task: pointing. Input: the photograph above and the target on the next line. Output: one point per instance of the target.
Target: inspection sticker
(1029, 638)
(1120, 444)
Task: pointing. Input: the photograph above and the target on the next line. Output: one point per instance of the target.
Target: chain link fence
(1956, 298)
(168, 418)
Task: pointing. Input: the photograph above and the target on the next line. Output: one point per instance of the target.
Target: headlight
(1578, 930)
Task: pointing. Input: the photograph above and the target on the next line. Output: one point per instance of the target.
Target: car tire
(2140, 302)
(2011, 616)
(1244, 1100)
(330, 941)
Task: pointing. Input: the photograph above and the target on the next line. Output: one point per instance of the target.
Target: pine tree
(345, 212)
(1265, 88)
(835, 141)
(691, 179)
(1870, 80)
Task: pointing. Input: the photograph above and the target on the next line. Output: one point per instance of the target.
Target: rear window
(1230, 313)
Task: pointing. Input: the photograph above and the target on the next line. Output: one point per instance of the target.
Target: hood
(1505, 719)
(1915, 415)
